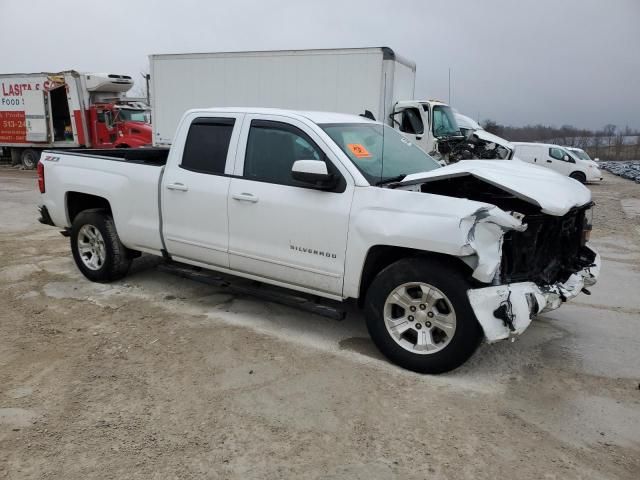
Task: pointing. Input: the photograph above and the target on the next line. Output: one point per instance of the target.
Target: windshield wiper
(390, 180)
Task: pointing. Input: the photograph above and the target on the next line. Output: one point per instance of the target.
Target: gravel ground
(159, 377)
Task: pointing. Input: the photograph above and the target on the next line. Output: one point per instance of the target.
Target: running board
(302, 301)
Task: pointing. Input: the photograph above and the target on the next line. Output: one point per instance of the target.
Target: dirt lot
(160, 377)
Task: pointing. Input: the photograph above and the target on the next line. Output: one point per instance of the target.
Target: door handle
(178, 186)
(549, 161)
(245, 197)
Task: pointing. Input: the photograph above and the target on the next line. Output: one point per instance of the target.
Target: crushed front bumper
(507, 310)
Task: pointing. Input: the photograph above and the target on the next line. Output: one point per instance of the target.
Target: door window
(411, 122)
(556, 153)
(273, 147)
(205, 150)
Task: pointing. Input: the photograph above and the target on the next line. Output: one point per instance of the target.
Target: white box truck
(345, 80)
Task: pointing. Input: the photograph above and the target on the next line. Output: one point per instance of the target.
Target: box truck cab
(431, 124)
(68, 110)
(120, 125)
(559, 159)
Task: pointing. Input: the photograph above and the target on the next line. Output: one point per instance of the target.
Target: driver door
(279, 228)
(555, 160)
(413, 122)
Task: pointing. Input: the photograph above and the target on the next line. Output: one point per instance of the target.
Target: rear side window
(207, 144)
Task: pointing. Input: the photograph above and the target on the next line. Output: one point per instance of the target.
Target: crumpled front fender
(486, 229)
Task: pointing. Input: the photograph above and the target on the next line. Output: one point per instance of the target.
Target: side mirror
(312, 172)
(565, 158)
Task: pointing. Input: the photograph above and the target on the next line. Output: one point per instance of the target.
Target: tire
(29, 158)
(96, 247)
(442, 349)
(579, 176)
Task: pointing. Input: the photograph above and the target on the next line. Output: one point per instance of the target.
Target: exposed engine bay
(549, 250)
(475, 144)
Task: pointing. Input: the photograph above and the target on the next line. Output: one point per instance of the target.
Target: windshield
(581, 154)
(362, 143)
(444, 122)
(131, 115)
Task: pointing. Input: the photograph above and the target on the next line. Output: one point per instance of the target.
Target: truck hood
(491, 138)
(554, 193)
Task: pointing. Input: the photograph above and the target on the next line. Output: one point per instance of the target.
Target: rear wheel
(96, 247)
(29, 158)
(579, 176)
(418, 315)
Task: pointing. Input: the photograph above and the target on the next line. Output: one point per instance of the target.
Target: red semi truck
(68, 110)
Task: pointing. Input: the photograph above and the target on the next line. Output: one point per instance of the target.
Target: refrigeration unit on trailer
(346, 80)
(68, 110)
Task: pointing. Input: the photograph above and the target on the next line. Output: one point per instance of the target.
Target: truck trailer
(369, 81)
(68, 110)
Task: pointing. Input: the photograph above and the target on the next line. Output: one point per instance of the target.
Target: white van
(559, 159)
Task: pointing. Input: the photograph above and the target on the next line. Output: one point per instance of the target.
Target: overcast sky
(517, 62)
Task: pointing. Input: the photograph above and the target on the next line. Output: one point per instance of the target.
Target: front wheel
(96, 247)
(419, 316)
(579, 176)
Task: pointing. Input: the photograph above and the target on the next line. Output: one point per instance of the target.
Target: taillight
(41, 177)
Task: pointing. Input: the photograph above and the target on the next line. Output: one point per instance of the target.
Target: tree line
(608, 143)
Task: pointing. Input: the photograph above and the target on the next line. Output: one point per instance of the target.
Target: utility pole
(449, 85)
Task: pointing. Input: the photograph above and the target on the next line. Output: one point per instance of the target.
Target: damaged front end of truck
(529, 247)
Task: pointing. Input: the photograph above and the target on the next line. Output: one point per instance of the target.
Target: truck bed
(148, 156)
(127, 179)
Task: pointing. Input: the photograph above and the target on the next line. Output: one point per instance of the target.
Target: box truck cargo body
(349, 80)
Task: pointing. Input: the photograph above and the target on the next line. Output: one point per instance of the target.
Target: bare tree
(618, 142)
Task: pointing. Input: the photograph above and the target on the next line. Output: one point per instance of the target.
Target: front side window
(444, 122)
(205, 150)
(272, 148)
(556, 153)
(411, 122)
(363, 144)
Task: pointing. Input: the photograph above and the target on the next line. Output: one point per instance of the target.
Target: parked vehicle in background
(559, 159)
(346, 80)
(478, 143)
(68, 110)
(581, 154)
(341, 207)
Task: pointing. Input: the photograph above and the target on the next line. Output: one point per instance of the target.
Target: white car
(340, 207)
(559, 159)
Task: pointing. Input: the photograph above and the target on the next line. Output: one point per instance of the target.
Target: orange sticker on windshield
(359, 150)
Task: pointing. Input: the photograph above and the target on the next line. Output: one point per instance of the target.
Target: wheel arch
(77, 202)
(579, 175)
(381, 256)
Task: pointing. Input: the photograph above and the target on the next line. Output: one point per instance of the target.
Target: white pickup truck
(340, 207)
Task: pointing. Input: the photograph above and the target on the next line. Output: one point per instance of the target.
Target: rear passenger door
(194, 191)
(278, 228)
